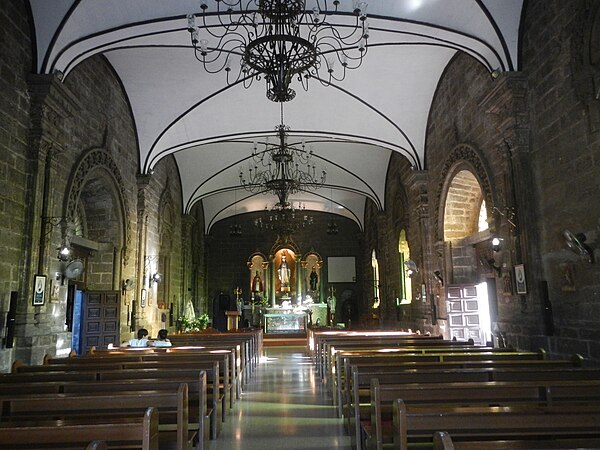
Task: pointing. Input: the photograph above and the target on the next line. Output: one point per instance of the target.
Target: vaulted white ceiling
(209, 127)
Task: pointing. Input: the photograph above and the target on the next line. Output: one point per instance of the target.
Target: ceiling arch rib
(368, 116)
(214, 168)
(61, 23)
(221, 206)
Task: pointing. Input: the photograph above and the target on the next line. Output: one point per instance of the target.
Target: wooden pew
(318, 339)
(433, 357)
(199, 415)
(130, 362)
(236, 369)
(172, 406)
(327, 352)
(150, 359)
(251, 339)
(360, 406)
(498, 441)
(215, 399)
(334, 369)
(377, 432)
(361, 371)
(523, 422)
(139, 432)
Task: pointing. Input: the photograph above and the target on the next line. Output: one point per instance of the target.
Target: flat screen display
(341, 269)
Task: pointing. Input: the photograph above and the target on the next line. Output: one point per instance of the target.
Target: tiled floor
(283, 407)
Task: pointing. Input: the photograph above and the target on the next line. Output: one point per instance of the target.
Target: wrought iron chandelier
(282, 168)
(332, 228)
(284, 219)
(235, 229)
(278, 40)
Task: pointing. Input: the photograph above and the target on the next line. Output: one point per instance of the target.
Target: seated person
(161, 339)
(142, 339)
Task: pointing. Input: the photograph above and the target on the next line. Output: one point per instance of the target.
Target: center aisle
(283, 407)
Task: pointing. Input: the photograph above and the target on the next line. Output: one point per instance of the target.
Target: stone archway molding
(462, 157)
(89, 161)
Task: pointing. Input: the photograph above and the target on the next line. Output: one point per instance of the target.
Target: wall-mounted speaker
(11, 320)
(547, 310)
(133, 309)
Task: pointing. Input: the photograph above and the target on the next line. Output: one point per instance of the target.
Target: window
(405, 280)
(375, 267)
(483, 223)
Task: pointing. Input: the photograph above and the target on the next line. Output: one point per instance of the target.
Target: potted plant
(187, 325)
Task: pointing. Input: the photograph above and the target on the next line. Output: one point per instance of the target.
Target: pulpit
(233, 317)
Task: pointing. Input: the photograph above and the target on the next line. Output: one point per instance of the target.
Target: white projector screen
(341, 269)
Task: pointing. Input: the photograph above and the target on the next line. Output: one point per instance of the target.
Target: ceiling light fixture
(278, 40)
(277, 168)
(284, 219)
(332, 228)
(235, 229)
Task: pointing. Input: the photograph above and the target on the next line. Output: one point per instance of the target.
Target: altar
(278, 321)
(285, 290)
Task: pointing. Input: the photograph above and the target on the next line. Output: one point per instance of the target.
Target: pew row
(341, 386)
(137, 432)
(376, 432)
(203, 379)
(526, 423)
(360, 408)
(498, 441)
(172, 407)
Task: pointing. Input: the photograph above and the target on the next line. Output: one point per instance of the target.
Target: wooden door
(101, 312)
(464, 310)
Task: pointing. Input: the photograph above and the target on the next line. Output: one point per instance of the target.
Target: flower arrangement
(187, 325)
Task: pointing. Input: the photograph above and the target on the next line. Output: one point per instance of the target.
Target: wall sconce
(496, 244)
(578, 243)
(155, 278)
(491, 259)
(438, 275)
(49, 223)
(64, 253)
(411, 268)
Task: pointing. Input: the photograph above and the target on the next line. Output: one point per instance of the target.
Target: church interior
(282, 169)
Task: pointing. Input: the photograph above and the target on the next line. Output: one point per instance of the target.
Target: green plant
(187, 325)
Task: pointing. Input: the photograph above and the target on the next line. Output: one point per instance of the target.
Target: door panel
(101, 314)
(463, 313)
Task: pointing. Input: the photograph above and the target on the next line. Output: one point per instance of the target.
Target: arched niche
(285, 264)
(312, 276)
(258, 276)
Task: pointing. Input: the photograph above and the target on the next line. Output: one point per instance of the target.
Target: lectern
(232, 320)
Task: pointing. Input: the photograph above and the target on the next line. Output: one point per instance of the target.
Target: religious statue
(257, 284)
(284, 274)
(314, 280)
(331, 305)
(239, 303)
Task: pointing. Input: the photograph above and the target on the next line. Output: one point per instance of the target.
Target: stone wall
(565, 153)
(15, 64)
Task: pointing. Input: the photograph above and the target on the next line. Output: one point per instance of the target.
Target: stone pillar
(143, 200)
(51, 106)
(187, 284)
(387, 313)
(427, 306)
(508, 102)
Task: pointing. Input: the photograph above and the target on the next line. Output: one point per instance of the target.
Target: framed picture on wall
(39, 290)
(520, 283)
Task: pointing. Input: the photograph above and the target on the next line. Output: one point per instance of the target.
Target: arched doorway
(97, 209)
(464, 222)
